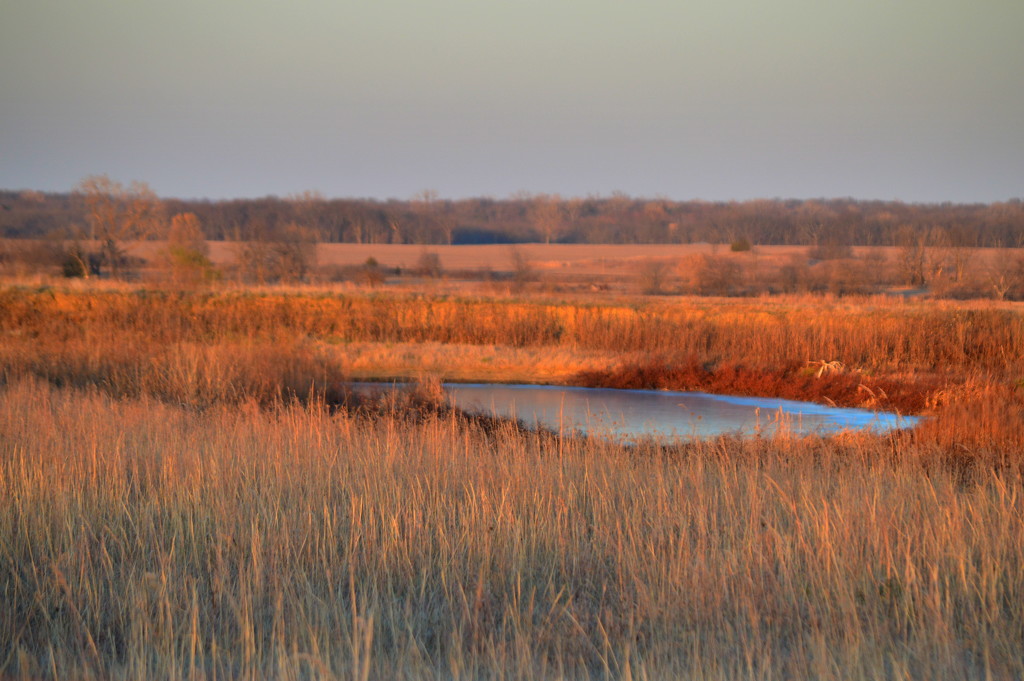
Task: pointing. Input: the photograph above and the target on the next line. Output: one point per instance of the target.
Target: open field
(596, 270)
(591, 260)
(186, 491)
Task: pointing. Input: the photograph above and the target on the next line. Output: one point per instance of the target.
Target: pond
(662, 414)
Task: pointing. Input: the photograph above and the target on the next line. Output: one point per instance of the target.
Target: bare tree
(810, 218)
(653, 275)
(573, 210)
(546, 215)
(117, 214)
(522, 270)
(306, 205)
(959, 247)
(287, 253)
(712, 275)
(297, 251)
(912, 255)
(436, 213)
(255, 253)
(395, 223)
(429, 265)
(1005, 275)
(943, 256)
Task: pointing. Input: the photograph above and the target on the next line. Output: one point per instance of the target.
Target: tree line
(829, 224)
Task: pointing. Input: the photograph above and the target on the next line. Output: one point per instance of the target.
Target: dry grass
(468, 363)
(141, 540)
(893, 353)
(875, 334)
(596, 271)
(183, 494)
(590, 259)
(584, 259)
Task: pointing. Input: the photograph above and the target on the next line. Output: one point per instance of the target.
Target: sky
(914, 100)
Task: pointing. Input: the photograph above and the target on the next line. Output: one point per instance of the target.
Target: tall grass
(876, 335)
(140, 539)
(185, 494)
(961, 364)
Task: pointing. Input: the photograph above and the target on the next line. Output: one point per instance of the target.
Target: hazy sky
(919, 100)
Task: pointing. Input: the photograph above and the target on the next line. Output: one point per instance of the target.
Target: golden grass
(144, 540)
(574, 259)
(466, 363)
(876, 334)
(183, 494)
(200, 347)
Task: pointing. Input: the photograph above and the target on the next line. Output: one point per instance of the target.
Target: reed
(187, 493)
(875, 334)
(140, 539)
(200, 348)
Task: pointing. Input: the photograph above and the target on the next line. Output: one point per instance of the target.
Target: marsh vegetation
(186, 491)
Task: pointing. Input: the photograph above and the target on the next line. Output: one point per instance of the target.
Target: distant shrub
(523, 272)
(429, 265)
(741, 244)
(712, 275)
(653, 277)
(189, 266)
(76, 263)
(371, 274)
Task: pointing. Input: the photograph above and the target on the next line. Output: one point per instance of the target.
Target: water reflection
(662, 414)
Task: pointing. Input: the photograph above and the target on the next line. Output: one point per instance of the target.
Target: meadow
(187, 491)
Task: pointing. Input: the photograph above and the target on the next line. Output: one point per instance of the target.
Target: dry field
(584, 259)
(595, 260)
(604, 270)
(598, 271)
(186, 493)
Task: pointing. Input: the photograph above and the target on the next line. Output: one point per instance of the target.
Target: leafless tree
(573, 210)
(297, 252)
(522, 269)
(429, 265)
(653, 276)
(712, 275)
(117, 214)
(436, 213)
(912, 255)
(546, 215)
(1005, 276)
(288, 254)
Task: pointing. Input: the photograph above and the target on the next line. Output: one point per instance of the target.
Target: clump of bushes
(740, 245)
(429, 265)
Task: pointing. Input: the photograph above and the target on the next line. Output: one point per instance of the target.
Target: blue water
(662, 414)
